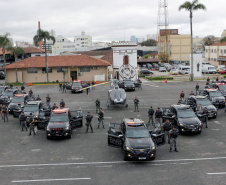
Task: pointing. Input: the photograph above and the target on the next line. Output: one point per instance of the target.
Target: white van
(183, 69)
(209, 69)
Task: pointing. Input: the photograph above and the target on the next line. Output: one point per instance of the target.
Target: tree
(163, 57)
(44, 36)
(223, 39)
(208, 40)
(16, 51)
(192, 6)
(4, 43)
(149, 42)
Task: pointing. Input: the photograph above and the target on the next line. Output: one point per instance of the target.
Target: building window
(61, 69)
(215, 60)
(84, 69)
(225, 51)
(49, 70)
(95, 68)
(215, 51)
(208, 59)
(126, 60)
(32, 70)
(211, 50)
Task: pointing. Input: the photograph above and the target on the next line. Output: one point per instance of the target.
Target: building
(133, 38)
(125, 60)
(61, 68)
(23, 44)
(83, 41)
(223, 34)
(53, 33)
(216, 54)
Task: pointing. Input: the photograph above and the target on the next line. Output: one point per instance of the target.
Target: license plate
(193, 130)
(57, 135)
(142, 158)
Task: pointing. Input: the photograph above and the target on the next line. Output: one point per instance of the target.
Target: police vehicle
(184, 118)
(68, 86)
(194, 102)
(76, 87)
(42, 120)
(2, 89)
(136, 141)
(7, 96)
(128, 85)
(214, 96)
(221, 87)
(62, 122)
(18, 100)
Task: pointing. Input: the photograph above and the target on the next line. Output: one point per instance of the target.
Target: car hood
(210, 107)
(33, 113)
(58, 124)
(189, 121)
(219, 98)
(139, 143)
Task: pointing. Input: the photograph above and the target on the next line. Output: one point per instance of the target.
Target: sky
(105, 20)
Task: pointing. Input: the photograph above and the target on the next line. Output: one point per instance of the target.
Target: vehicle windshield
(76, 84)
(17, 100)
(8, 93)
(204, 102)
(187, 113)
(136, 132)
(128, 82)
(33, 108)
(2, 89)
(215, 94)
(211, 68)
(59, 118)
(222, 87)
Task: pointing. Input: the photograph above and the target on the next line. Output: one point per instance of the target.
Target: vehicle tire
(199, 132)
(14, 115)
(215, 117)
(70, 136)
(152, 158)
(48, 138)
(125, 158)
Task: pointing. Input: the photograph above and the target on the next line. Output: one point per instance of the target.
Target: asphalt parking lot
(86, 159)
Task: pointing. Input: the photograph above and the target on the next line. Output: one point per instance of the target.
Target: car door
(76, 118)
(158, 139)
(169, 114)
(115, 136)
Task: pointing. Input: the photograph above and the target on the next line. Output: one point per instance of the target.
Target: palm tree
(4, 43)
(16, 51)
(223, 39)
(192, 6)
(44, 36)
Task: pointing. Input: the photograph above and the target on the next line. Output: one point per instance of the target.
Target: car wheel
(48, 138)
(199, 132)
(125, 158)
(215, 117)
(14, 115)
(152, 158)
(70, 136)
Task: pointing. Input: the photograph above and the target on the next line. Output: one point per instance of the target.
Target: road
(87, 160)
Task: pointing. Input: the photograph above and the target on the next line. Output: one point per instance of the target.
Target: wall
(212, 53)
(197, 59)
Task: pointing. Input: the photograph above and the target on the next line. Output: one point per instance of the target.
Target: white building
(83, 41)
(125, 60)
(23, 44)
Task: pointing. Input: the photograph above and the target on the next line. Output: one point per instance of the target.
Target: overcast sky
(105, 20)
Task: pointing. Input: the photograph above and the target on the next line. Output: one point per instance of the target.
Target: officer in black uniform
(62, 104)
(22, 87)
(192, 93)
(158, 115)
(136, 105)
(167, 126)
(23, 121)
(30, 93)
(54, 106)
(31, 124)
(60, 86)
(64, 88)
(217, 79)
(173, 138)
(101, 118)
(97, 105)
(150, 115)
(89, 118)
(38, 98)
(208, 80)
(182, 95)
(11, 86)
(48, 100)
(205, 112)
(197, 88)
(5, 113)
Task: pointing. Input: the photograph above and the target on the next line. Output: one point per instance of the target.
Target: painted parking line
(49, 180)
(219, 173)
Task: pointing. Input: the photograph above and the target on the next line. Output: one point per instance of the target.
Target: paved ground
(87, 160)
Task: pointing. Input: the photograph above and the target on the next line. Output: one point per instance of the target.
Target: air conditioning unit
(79, 74)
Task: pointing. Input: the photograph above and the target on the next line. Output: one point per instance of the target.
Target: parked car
(145, 71)
(223, 71)
(162, 69)
(174, 72)
(209, 69)
(68, 86)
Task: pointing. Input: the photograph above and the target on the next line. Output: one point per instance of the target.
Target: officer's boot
(175, 150)
(206, 126)
(170, 149)
(98, 126)
(103, 126)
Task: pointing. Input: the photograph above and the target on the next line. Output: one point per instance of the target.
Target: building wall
(90, 76)
(212, 53)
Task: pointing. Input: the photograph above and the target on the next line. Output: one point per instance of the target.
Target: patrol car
(194, 102)
(136, 141)
(128, 85)
(214, 96)
(221, 87)
(7, 96)
(62, 122)
(184, 118)
(2, 89)
(76, 87)
(18, 100)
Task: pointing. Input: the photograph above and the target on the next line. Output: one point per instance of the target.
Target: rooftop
(219, 44)
(26, 50)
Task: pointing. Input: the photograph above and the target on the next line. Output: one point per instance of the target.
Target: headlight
(200, 123)
(11, 98)
(36, 116)
(181, 124)
(67, 128)
(153, 148)
(48, 129)
(128, 148)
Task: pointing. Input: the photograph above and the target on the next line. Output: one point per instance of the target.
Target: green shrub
(159, 78)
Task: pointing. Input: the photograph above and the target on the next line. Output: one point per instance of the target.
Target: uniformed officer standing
(64, 88)
(11, 86)
(199, 108)
(93, 87)
(38, 98)
(5, 113)
(23, 121)
(182, 95)
(97, 105)
(62, 104)
(217, 79)
(22, 87)
(197, 88)
(150, 115)
(205, 112)
(136, 105)
(167, 126)
(48, 100)
(208, 80)
(173, 138)
(101, 118)
(158, 115)
(31, 124)
(60, 86)
(30, 93)
(89, 118)
(54, 106)
(1, 111)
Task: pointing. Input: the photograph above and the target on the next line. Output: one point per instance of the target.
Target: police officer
(208, 80)
(38, 98)
(11, 86)
(54, 106)
(97, 105)
(197, 88)
(23, 121)
(89, 118)
(150, 115)
(1, 111)
(217, 79)
(205, 112)
(158, 115)
(48, 100)
(31, 124)
(199, 108)
(192, 93)
(62, 104)
(30, 92)
(173, 138)
(101, 118)
(93, 87)
(64, 88)
(22, 87)
(60, 86)
(5, 113)
(167, 126)
(182, 95)
(136, 104)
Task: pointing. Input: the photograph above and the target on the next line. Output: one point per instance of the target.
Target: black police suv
(221, 87)
(194, 102)
(136, 141)
(76, 87)
(184, 118)
(2, 89)
(214, 96)
(7, 96)
(128, 85)
(68, 86)
(62, 122)
(18, 99)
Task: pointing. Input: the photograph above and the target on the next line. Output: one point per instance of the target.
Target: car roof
(198, 97)
(60, 111)
(34, 102)
(181, 107)
(133, 122)
(211, 90)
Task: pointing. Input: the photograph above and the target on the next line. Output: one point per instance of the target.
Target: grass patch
(159, 78)
(14, 84)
